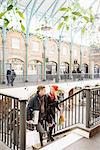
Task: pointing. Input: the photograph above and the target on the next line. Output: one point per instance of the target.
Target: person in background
(74, 74)
(79, 73)
(13, 75)
(51, 104)
(37, 103)
(8, 76)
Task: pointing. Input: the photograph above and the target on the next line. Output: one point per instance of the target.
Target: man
(13, 75)
(8, 75)
(35, 104)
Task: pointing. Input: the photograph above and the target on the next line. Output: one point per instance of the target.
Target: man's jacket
(33, 105)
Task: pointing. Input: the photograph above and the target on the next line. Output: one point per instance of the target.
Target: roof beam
(59, 8)
(27, 5)
(30, 15)
(98, 7)
(38, 7)
(47, 11)
(56, 2)
(65, 12)
(59, 18)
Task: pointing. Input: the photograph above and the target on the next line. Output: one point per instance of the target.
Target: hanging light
(44, 27)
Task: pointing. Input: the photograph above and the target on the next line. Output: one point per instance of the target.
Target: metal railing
(93, 105)
(36, 78)
(83, 107)
(12, 122)
(73, 109)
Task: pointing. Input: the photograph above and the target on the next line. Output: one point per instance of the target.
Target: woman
(51, 104)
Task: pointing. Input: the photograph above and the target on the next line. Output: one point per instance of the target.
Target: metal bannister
(12, 122)
(83, 107)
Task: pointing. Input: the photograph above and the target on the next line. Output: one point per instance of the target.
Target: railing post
(88, 105)
(22, 125)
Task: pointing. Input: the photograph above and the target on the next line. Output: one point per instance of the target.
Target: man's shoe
(51, 138)
(34, 148)
(48, 140)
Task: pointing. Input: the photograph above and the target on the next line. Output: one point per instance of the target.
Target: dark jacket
(33, 104)
(50, 106)
(13, 74)
(50, 103)
(8, 72)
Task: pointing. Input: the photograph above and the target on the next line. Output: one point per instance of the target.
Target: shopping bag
(40, 128)
(32, 138)
(35, 117)
(61, 119)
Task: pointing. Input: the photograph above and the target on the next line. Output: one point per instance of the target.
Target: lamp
(44, 27)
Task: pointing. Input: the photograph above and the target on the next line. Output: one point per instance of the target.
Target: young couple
(45, 105)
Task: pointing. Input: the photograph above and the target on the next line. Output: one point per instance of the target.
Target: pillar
(58, 64)
(44, 60)
(3, 55)
(81, 54)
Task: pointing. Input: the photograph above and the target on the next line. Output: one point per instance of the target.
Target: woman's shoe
(51, 138)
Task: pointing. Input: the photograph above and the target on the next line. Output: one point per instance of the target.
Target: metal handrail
(13, 121)
(72, 95)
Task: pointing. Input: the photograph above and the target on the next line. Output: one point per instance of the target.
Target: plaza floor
(25, 90)
(86, 144)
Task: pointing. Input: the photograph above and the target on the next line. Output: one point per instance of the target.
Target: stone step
(63, 142)
(3, 146)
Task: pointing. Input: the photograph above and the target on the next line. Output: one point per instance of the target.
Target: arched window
(51, 67)
(85, 68)
(16, 64)
(34, 67)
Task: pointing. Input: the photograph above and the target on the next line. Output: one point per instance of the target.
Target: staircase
(81, 112)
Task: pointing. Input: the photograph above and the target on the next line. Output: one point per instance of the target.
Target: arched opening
(76, 66)
(16, 64)
(96, 68)
(85, 68)
(35, 70)
(71, 92)
(51, 67)
(64, 68)
(34, 67)
(96, 71)
(70, 103)
(51, 70)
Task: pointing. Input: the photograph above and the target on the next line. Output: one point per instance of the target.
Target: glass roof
(47, 11)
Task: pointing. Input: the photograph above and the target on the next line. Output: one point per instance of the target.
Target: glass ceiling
(47, 11)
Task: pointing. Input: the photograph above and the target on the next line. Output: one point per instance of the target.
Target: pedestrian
(74, 74)
(36, 103)
(79, 73)
(13, 76)
(8, 76)
(51, 104)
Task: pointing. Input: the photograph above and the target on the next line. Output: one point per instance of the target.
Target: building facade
(14, 55)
